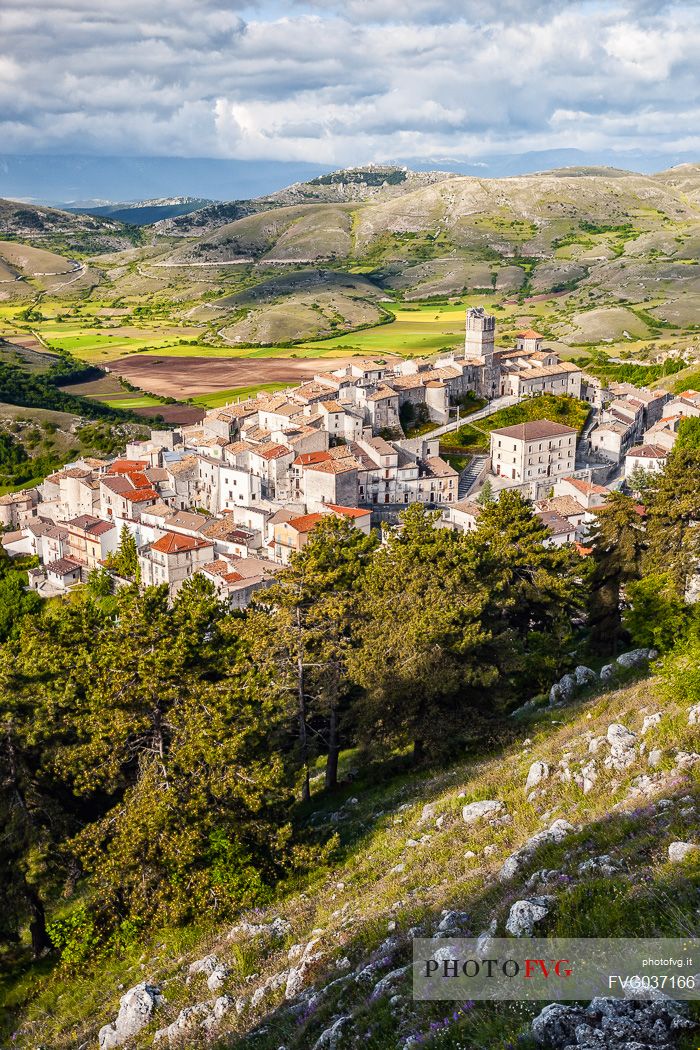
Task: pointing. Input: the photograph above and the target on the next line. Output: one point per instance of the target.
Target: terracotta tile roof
(222, 569)
(89, 523)
(567, 506)
(305, 523)
(648, 452)
(127, 466)
(440, 468)
(175, 542)
(537, 430)
(62, 566)
(589, 488)
(347, 512)
(305, 458)
(140, 495)
(382, 394)
(332, 406)
(272, 451)
(557, 525)
(466, 506)
(334, 466)
(530, 333)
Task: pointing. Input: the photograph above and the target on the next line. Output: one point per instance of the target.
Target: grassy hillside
(595, 259)
(408, 862)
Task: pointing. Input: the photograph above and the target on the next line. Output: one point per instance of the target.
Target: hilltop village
(236, 495)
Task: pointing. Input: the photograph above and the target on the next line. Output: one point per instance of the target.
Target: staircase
(469, 476)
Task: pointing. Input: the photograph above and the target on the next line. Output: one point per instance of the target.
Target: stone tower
(480, 333)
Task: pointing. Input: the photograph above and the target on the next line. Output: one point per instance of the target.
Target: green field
(224, 397)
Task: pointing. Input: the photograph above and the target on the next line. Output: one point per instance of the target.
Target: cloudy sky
(348, 81)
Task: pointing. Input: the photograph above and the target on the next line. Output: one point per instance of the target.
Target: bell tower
(480, 333)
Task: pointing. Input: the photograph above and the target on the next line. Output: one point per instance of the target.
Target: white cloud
(337, 83)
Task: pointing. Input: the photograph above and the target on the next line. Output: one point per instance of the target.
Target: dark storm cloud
(347, 82)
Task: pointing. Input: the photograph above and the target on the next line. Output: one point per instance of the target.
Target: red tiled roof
(127, 466)
(174, 542)
(530, 333)
(141, 495)
(305, 458)
(305, 523)
(347, 512)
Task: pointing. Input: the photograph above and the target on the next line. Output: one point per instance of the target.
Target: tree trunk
(41, 943)
(333, 750)
(301, 707)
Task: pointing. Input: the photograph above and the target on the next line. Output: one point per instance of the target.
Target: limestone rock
(538, 772)
(654, 757)
(622, 746)
(650, 721)
(135, 1011)
(585, 675)
(207, 965)
(217, 978)
(612, 1024)
(686, 759)
(555, 833)
(636, 658)
(607, 673)
(478, 811)
(328, 1040)
(680, 851)
(277, 929)
(524, 914)
(188, 1018)
(694, 715)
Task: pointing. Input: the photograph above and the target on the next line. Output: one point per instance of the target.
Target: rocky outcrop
(475, 812)
(525, 914)
(622, 747)
(611, 1024)
(680, 851)
(135, 1012)
(537, 772)
(554, 834)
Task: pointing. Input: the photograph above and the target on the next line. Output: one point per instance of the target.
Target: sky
(339, 82)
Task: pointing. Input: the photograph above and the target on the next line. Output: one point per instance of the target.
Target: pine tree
(300, 631)
(485, 495)
(420, 639)
(125, 560)
(618, 542)
(535, 590)
(673, 508)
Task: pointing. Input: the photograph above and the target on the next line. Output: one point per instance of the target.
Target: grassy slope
(351, 904)
(474, 437)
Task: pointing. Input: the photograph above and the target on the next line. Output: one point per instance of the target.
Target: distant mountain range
(66, 181)
(140, 213)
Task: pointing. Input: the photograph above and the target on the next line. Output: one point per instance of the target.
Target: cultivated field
(186, 377)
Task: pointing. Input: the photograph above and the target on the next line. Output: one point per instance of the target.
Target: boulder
(585, 675)
(654, 757)
(429, 811)
(650, 721)
(135, 1011)
(694, 715)
(188, 1018)
(622, 746)
(296, 977)
(555, 694)
(538, 772)
(687, 759)
(680, 851)
(612, 1024)
(328, 1039)
(217, 978)
(207, 965)
(607, 672)
(635, 658)
(277, 929)
(524, 914)
(478, 811)
(554, 834)
(567, 687)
